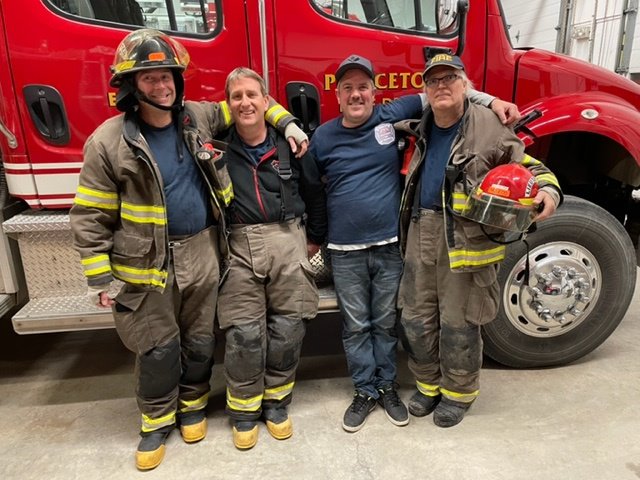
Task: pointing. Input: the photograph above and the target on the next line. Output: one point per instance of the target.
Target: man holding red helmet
(449, 286)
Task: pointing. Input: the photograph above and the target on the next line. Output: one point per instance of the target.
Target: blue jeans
(366, 283)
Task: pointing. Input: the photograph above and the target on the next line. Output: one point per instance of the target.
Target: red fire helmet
(504, 199)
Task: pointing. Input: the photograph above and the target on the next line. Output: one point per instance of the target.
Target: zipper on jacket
(256, 183)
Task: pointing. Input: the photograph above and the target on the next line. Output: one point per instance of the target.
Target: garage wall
(593, 29)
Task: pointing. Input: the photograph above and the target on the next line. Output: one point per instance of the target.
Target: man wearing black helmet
(144, 214)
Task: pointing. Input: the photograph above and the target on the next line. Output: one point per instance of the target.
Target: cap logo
(157, 56)
(442, 57)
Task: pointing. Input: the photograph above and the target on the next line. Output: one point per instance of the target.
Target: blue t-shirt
(437, 156)
(185, 191)
(362, 169)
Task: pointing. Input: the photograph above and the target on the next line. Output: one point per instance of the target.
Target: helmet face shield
(499, 212)
(144, 50)
(504, 199)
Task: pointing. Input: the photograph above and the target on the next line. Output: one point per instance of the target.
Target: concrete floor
(68, 412)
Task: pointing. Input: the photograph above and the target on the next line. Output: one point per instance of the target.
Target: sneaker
(151, 448)
(193, 426)
(278, 422)
(245, 434)
(356, 414)
(393, 406)
(449, 413)
(422, 405)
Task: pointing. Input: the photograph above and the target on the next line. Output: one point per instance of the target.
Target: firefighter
(143, 214)
(449, 286)
(277, 220)
(357, 154)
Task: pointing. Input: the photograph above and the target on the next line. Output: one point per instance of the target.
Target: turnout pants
(171, 332)
(267, 295)
(442, 312)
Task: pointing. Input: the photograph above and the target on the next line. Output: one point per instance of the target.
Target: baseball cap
(354, 61)
(443, 59)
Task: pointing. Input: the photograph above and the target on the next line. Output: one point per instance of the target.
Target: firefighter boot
(151, 448)
(193, 426)
(245, 434)
(422, 405)
(278, 422)
(449, 413)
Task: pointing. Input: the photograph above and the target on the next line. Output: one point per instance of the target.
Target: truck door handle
(304, 102)
(47, 112)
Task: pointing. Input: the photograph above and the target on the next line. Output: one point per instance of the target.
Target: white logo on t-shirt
(385, 134)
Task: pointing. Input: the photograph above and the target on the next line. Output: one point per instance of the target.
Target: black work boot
(393, 406)
(151, 449)
(422, 405)
(449, 413)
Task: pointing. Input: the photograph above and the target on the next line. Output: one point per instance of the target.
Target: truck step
(72, 313)
(328, 301)
(61, 314)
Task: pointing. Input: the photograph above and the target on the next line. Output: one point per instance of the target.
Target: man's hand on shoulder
(507, 112)
(298, 140)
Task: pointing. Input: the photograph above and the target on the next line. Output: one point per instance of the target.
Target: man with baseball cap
(357, 154)
(449, 286)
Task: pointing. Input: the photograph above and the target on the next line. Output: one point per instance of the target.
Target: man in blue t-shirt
(357, 154)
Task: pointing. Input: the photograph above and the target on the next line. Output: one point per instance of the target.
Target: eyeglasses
(447, 80)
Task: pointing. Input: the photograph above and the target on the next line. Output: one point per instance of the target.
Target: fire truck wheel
(582, 275)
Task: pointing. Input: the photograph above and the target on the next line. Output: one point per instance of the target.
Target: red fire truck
(54, 89)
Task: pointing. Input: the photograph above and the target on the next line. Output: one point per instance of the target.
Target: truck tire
(582, 279)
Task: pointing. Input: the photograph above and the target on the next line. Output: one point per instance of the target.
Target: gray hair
(244, 72)
(466, 79)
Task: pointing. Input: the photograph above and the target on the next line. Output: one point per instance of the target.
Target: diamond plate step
(71, 313)
(61, 314)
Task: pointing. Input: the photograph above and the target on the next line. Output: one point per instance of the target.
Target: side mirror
(451, 16)
(446, 16)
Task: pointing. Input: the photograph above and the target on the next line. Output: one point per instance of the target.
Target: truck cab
(55, 92)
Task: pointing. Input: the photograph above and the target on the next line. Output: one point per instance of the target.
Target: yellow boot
(193, 426)
(278, 422)
(245, 434)
(151, 448)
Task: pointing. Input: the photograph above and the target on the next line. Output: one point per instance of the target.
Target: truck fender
(594, 112)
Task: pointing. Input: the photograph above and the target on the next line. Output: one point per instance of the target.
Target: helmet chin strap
(177, 105)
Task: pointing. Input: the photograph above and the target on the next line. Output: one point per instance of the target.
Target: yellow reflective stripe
(245, 405)
(126, 65)
(97, 193)
(87, 203)
(193, 405)
(226, 195)
(474, 258)
(460, 397)
(89, 197)
(528, 160)
(141, 276)
(548, 178)
(93, 266)
(224, 106)
(458, 201)
(143, 213)
(275, 113)
(278, 393)
(427, 389)
(150, 424)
